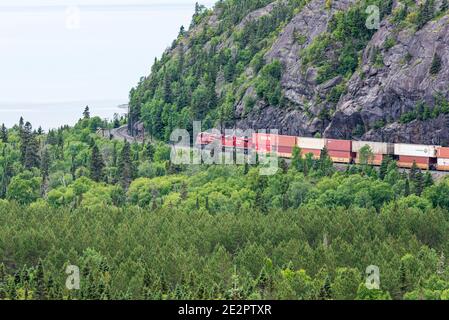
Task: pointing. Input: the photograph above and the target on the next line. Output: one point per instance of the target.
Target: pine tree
(3, 283)
(436, 65)
(407, 188)
(149, 152)
(4, 134)
(428, 180)
(96, 165)
(32, 158)
(283, 165)
(125, 166)
(86, 113)
(39, 292)
(413, 171)
(384, 167)
(21, 123)
(419, 183)
(326, 291)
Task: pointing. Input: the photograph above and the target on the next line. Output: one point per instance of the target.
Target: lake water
(56, 114)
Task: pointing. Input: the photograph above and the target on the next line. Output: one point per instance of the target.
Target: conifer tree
(413, 171)
(96, 165)
(4, 134)
(384, 167)
(125, 166)
(86, 113)
(419, 183)
(39, 292)
(407, 188)
(32, 159)
(428, 180)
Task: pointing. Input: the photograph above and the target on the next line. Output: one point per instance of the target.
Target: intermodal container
(229, 141)
(339, 145)
(341, 156)
(315, 153)
(415, 150)
(421, 162)
(375, 160)
(443, 164)
(242, 142)
(443, 153)
(311, 143)
(376, 147)
(285, 146)
(265, 143)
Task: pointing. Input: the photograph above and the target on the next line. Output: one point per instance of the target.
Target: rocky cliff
(307, 68)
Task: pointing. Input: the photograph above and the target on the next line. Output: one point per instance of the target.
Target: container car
(339, 145)
(443, 164)
(265, 142)
(443, 152)
(341, 151)
(285, 146)
(424, 163)
(415, 150)
(377, 148)
(341, 156)
(311, 143)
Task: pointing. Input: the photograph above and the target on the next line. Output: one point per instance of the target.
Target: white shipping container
(443, 162)
(376, 147)
(311, 143)
(415, 150)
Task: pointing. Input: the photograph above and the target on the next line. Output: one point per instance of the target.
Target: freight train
(426, 157)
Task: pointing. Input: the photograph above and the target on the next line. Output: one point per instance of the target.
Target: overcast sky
(64, 50)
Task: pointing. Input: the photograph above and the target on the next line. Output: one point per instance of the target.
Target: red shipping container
(265, 142)
(316, 153)
(418, 160)
(341, 156)
(229, 141)
(376, 160)
(339, 145)
(443, 152)
(285, 152)
(287, 141)
(421, 162)
(242, 143)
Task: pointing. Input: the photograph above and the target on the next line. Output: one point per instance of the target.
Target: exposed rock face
(384, 94)
(300, 88)
(376, 95)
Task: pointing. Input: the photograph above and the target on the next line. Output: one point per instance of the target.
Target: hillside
(305, 68)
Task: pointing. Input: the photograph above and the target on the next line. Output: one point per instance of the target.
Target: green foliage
(436, 65)
(268, 86)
